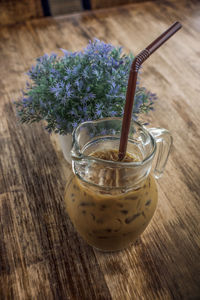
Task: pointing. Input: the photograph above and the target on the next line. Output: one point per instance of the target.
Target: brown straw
(137, 62)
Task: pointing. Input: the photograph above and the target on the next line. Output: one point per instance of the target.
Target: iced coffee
(110, 219)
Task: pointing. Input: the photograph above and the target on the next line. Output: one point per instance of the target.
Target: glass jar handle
(164, 142)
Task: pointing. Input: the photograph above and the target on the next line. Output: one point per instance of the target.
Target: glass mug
(110, 203)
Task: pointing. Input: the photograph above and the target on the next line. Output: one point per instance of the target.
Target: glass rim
(80, 156)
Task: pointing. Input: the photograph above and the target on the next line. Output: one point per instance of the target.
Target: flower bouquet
(80, 86)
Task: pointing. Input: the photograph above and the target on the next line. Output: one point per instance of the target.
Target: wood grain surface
(41, 255)
(17, 11)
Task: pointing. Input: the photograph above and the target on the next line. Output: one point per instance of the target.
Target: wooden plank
(61, 7)
(12, 11)
(40, 253)
(96, 4)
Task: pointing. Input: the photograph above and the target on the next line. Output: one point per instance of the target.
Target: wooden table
(41, 255)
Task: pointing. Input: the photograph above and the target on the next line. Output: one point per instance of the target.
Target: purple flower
(79, 84)
(85, 99)
(43, 59)
(122, 73)
(99, 112)
(113, 113)
(66, 53)
(67, 87)
(86, 73)
(69, 92)
(75, 70)
(88, 88)
(53, 55)
(98, 106)
(58, 88)
(68, 72)
(74, 124)
(95, 72)
(75, 54)
(73, 112)
(114, 88)
(85, 109)
(91, 95)
(61, 84)
(53, 71)
(55, 90)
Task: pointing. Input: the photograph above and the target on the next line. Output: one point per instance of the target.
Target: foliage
(76, 87)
